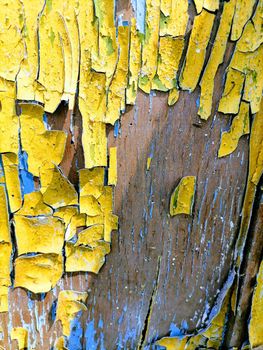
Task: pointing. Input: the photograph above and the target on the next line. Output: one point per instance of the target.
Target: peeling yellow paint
(112, 176)
(116, 94)
(170, 52)
(3, 299)
(82, 258)
(36, 140)
(21, 335)
(33, 205)
(10, 163)
(12, 48)
(134, 64)
(231, 97)
(243, 12)
(77, 221)
(56, 189)
(150, 45)
(39, 273)
(69, 304)
(60, 344)
(4, 217)
(91, 234)
(239, 127)
(255, 324)
(196, 51)
(182, 198)
(172, 343)
(215, 59)
(27, 75)
(39, 234)
(174, 17)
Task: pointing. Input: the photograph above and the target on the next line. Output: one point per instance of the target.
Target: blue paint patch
(74, 340)
(175, 331)
(184, 325)
(91, 343)
(140, 15)
(116, 128)
(197, 102)
(26, 178)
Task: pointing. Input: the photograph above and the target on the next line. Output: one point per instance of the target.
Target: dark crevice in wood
(144, 332)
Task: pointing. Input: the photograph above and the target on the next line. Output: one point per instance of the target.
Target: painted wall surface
(94, 60)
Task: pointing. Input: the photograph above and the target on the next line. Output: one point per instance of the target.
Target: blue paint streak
(175, 331)
(27, 180)
(74, 340)
(116, 128)
(91, 343)
(54, 310)
(197, 102)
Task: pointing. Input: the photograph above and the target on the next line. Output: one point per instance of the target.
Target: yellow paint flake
(21, 335)
(150, 45)
(239, 127)
(77, 221)
(243, 12)
(116, 94)
(108, 53)
(69, 304)
(215, 59)
(29, 67)
(10, 163)
(94, 143)
(196, 51)
(172, 343)
(81, 258)
(198, 5)
(4, 217)
(106, 205)
(91, 182)
(51, 56)
(8, 120)
(91, 234)
(173, 96)
(12, 49)
(112, 176)
(36, 140)
(211, 5)
(134, 63)
(170, 52)
(231, 97)
(251, 64)
(56, 189)
(66, 213)
(33, 205)
(255, 324)
(174, 17)
(3, 299)
(92, 97)
(39, 234)
(39, 273)
(252, 36)
(5, 263)
(182, 198)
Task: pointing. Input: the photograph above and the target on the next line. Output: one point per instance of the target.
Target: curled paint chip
(174, 17)
(5, 263)
(69, 304)
(4, 217)
(239, 127)
(150, 45)
(231, 97)
(91, 234)
(33, 205)
(56, 189)
(36, 140)
(112, 175)
(195, 56)
(243, 12)
(134, 63)
(215, 59)
(182, 198)
(82, 258)
(39, 234)
(38, 273)
(21, 335)
(10, 163)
